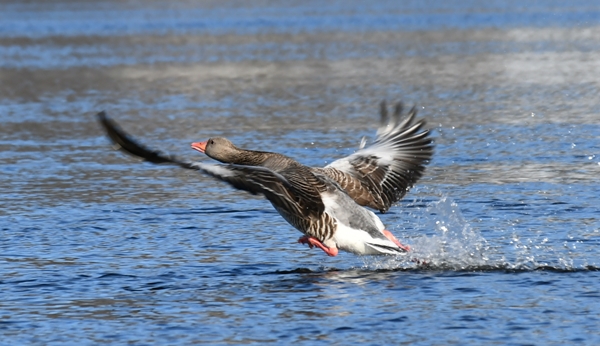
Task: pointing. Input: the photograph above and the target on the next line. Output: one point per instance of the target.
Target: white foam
(454, 244)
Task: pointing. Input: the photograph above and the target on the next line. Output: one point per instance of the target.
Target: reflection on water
(102, 249)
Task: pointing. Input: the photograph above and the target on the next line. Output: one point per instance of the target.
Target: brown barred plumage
(376, 176)
(311, 199)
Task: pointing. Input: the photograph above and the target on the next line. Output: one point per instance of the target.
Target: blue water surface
(100, 248)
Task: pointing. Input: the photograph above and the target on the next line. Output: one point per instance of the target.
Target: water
(98, 248)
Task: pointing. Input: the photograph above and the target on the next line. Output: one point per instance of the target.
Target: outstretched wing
(128, 145)
(285, 193)
(379, 175)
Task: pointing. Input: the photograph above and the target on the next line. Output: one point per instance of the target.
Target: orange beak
(200, 146)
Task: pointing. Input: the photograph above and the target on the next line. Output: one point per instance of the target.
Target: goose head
(220, 149)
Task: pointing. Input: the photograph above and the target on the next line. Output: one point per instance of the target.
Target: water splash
(453, 244)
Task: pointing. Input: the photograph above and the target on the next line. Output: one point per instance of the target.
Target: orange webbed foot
(304, 240)
(312, 242)
(391, 237)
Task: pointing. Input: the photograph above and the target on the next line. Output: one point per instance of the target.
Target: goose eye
(211, 142)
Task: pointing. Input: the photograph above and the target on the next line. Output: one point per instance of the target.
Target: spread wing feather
(380, 174)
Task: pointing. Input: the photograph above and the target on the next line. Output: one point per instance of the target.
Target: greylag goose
(307, 198)
(376, 176)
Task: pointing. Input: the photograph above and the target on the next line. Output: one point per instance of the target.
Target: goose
(376, 176)
(309, 199)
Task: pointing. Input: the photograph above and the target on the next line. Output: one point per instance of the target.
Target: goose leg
(312, 242)
(391, 237)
